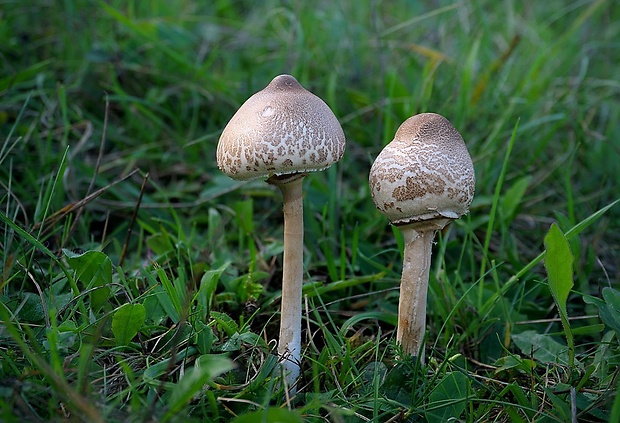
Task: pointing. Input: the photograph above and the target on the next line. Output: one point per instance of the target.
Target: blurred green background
(92, 90)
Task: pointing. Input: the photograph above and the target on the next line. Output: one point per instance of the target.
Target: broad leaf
(94, 270)
(206, 369)
(608, 307)
(612, 299)
(559, 265)
(543, 348)
(204, 337)
(511, 362)
(31, 308)
(225, 322)
(127, 321)
(449, 398)
(397, 385)
(208, 286)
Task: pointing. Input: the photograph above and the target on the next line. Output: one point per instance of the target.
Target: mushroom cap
(281, 130)
(424, 174)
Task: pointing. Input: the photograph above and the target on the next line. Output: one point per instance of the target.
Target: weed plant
(138, 283)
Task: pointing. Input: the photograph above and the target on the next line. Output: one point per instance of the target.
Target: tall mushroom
(281, 133)
(421, 180)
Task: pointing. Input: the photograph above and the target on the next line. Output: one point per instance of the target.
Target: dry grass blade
(133, 220)
(57, 216)
(97, 165)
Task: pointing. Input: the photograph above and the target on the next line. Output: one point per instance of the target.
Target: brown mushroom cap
(425, 173)
(280, 130)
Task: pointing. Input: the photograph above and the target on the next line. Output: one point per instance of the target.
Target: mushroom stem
(414, 286)
(289, 345)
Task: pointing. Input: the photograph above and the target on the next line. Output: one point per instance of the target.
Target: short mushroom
(421, 180)
(281, 133)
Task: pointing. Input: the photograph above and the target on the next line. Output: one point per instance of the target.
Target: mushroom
(281, 133)
(421, 181)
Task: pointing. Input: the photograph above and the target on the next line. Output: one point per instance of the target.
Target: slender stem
(413, 289)
(289, 345)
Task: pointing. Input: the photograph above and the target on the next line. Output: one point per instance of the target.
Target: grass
(140, 284)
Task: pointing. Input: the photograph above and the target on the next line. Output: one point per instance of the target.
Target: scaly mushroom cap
(280, 130)
(425, 173)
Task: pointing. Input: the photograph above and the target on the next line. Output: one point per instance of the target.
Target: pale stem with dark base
(411, 329)
(289, 345)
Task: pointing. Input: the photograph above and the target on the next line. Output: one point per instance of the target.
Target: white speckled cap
(282, 129)
(425, 173)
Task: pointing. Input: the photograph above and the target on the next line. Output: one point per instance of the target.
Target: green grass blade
(493, 212)
(37, 244)
(6, 148)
